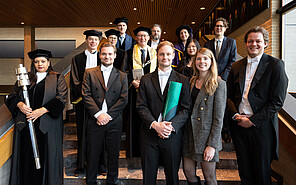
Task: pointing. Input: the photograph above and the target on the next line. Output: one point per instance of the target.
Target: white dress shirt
(154, 44)
(40, 76)
(244, 106)
(91, 59)
(106, 71)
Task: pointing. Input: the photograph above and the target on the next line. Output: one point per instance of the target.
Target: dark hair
(257, 29)
(225, 22)
(32, 75)
(107, 44)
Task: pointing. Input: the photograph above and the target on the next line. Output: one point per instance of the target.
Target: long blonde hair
(211, 80)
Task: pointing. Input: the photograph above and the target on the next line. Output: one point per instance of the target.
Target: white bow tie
(161, 73)
(107, 69)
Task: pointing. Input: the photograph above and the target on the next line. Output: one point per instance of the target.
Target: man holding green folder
(156, 103)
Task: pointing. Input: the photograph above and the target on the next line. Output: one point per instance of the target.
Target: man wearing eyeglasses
(139, 60)
(225, 51)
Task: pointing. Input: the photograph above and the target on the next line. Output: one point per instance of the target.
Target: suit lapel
(100, 77)
(155, 82)
(223, 47)
(128, 41)
(112, 77)
(173, 77)
(260, 70)
(242, 75)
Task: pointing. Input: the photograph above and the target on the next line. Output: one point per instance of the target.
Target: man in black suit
(160, 138)
(257, 87)
(104, 91)
(223, 47)
(84, 60)
(125, 41)
(112, 36)
(225, 52)
(155, 36)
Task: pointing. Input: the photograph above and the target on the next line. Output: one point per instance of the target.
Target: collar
(107, 69)
(221, 39)
(255, 59)
(167, 73)
(89, 53)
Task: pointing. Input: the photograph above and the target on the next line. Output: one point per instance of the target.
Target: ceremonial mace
(23, 81)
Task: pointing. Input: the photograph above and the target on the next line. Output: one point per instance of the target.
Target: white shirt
(40, 76)
(252, 64)
(163, 78)
(221, 42)
(106, 71)
(154, 44)
(91, 59)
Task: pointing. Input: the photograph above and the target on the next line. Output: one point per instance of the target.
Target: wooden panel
(54, 13)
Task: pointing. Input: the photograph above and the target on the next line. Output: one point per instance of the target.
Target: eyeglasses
(219, 26)
(145, 36)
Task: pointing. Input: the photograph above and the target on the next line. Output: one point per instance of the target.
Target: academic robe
(50, 93)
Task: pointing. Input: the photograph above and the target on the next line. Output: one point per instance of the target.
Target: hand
(36, 114)
(24, 108)
(209, 153)
(103, 119)
(244, 121)
(163, 129)
(136, 83)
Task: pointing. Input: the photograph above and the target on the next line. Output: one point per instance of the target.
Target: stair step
(134, 177)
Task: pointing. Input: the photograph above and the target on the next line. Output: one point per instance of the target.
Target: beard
(155, 37)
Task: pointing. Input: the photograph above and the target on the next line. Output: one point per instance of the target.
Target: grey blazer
(207, 119)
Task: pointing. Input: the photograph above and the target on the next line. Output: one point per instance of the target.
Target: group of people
(126, 83)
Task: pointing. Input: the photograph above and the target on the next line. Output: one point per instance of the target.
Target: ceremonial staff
(23, 81)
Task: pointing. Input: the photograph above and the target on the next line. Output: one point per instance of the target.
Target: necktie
(217, 49)
(143, 56)
(121, 40)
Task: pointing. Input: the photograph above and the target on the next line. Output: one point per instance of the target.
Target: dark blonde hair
(107, 44)
(164, 43)
(211, 80)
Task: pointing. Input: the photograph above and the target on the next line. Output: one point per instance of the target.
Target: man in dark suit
(104, 91)
(155, 36)
(161, 139)
(257, 87)
(225, 51)
(84, 60)
(224, 48)
(125, 41)
(112, 36)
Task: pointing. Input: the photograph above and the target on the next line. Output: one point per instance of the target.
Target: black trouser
(97, 135)
(152, 148)
(255, 148)
(79, 109)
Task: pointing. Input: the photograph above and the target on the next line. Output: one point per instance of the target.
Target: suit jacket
(226, 56)
(207, 119)
(118, 61)
(267, 92)
(150, 101)
(76, 75)
(128, 43)
(94, 91)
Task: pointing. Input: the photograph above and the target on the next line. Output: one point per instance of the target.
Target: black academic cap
(92, 33)
(183, 27)
(120, 19)
(112, 32)
(39, 53)
(141, 28)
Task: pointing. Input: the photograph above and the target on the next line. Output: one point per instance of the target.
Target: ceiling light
(202, 8)
(138, 22)
(135, 9)
(22, 23)
(193, 22)
(162, 39)
(110, 23)
(164, 32)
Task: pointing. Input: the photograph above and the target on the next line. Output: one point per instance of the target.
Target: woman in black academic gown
(47, 95)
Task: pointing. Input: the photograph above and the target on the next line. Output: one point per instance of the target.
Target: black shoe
(102, 170)
(226, 136)
(78, 172)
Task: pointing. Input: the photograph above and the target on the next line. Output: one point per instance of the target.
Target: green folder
(172, 100)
